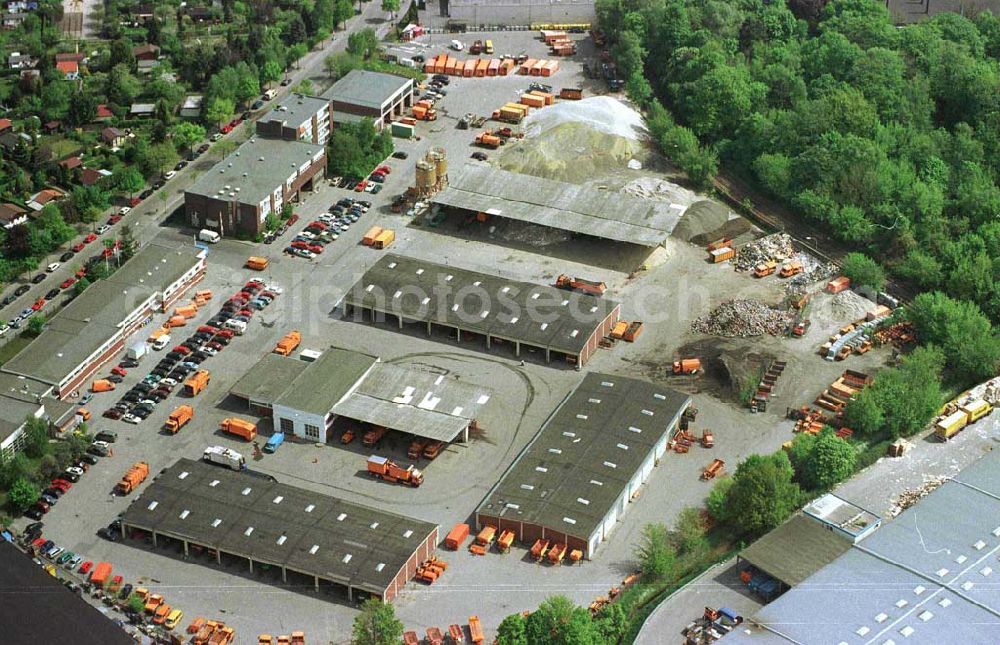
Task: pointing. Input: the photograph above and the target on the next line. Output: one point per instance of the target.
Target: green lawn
(61, 147)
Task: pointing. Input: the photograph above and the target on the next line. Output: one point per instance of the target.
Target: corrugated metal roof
(569, 476)
(366, 89)
(249, 516)
(581, 209)
(537, 315)
(428, 405)
(927, 576)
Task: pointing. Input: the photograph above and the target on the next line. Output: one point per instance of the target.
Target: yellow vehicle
(489, 47)
(173, 618)
(50, 569)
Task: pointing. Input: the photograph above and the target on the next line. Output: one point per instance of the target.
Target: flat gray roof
(429, 405)
(797, 549)
(247, 516)
(310, 386)
(268, 378)
(366, 89)
(82, 326)
(295, 110)
(580, 209)
(266, 164)
(20, 397)
(326, 380)
(570, 475)
(541, 316)
(926, 576)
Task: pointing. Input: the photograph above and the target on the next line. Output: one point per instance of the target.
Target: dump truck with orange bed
(180, 417)
(433, 449)
(687, 366)
(488, 140)
(416, 449)
(791, 268)
(765, 269)
(384, 468)
(590, 287)
(505, 541)
(476, 630)
(456, 536)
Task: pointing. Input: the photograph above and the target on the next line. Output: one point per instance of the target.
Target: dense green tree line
(888, 136)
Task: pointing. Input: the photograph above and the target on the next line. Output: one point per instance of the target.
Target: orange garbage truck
(196, 382)
(178, 418)
(101, 574)
(384, 468)
(102, 385)
(288, 343)
(239, 427)
(131, 479)
(579, 284)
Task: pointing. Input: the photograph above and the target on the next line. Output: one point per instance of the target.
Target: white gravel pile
(602, 113)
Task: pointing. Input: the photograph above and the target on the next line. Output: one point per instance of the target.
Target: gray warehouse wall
(521, 12)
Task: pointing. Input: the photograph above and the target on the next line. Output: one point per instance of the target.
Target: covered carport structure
(323, 538)
(611, 215)
(499, 310)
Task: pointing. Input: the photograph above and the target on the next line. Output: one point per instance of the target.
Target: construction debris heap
(743, 319)
(774, 247)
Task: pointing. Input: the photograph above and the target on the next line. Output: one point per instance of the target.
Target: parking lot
(678, 287)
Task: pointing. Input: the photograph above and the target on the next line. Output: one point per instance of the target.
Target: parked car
(38, 278)
(67, 283)
(73, 477)
(67, 256)
(23, 289)
(90, 459)
(51, 294)
(94, 449)
(86, 567)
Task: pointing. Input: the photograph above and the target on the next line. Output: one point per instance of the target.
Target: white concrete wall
(299, 421)
(521, 12)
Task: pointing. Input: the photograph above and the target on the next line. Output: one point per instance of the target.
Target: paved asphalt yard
(667, 297)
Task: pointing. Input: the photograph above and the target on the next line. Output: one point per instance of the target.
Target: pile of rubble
(743, 319)
(911, 496)
(814, 272)
(777, 247)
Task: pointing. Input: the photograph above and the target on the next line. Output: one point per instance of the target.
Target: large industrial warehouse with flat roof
(321, 539)
(306, 398)
(611, 215)
(578, 475)
(556, 322)
(927, 576)
(92, 328)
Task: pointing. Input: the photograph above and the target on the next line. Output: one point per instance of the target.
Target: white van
(270, 94)
(161, 342)
(206, 235)
(457, 45)
(237, 326)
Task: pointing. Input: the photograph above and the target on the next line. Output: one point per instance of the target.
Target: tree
(270, 72)
(82, 109)
(157, 159)
(557, 621)
(81, 285)
(219, 110)
(863, 271)
(961, 330)
(363, 42)
(392, 6)
(656, 553)
(376, 624)
(343, 10)
(36, 324)
(123, 87)
(716, 502)
(763, 494)
(186, 134)
(831, 461)
(22, 494)
(511, 630)
(48, 467)
(689, 535)
(129, 181)
(611, 622)
(864, 414)
(136, 603)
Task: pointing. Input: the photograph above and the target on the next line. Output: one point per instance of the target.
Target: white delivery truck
(236, 326)
(137, 351)
(205, 235)
(270, 94)
(225, 457)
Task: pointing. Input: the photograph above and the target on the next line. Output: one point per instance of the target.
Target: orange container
(481, 67)
(526, 66)
(450, 65)
(506, 65)
(470, 67)
(838, 284)
(493, 67)
(536, 69)
(456, 536)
